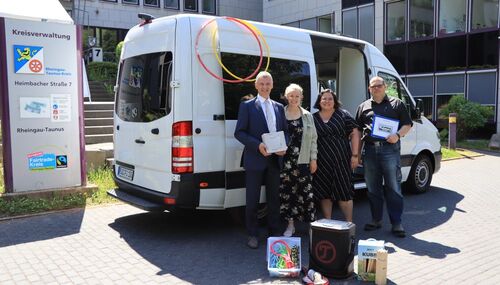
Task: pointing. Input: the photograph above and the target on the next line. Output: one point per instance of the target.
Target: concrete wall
(244, 9)
(286, 11)
(124, 16)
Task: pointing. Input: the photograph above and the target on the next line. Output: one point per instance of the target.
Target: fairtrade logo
(325, 252)
(61, 161)
(28, 59)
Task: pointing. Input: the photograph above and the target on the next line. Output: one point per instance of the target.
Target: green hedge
(102, 71)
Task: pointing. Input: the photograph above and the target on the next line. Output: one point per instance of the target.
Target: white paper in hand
(275, 141)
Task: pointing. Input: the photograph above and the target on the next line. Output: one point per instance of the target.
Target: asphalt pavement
(452, 238)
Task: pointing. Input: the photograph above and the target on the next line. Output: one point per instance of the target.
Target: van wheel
(420, 177)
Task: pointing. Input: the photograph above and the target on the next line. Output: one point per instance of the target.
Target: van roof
(158, 21)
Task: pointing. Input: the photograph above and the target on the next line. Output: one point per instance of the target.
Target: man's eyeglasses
(376, 86)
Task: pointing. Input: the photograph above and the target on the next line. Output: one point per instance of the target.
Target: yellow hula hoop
(258, 32)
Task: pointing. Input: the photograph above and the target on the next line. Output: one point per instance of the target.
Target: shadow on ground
(209, 247)
(41, 227)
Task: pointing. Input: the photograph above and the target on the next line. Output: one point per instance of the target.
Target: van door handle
(218, 117)
(140, 141)
(155, 131)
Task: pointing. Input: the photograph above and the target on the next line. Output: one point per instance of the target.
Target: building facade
(106, 22)
(440, 47)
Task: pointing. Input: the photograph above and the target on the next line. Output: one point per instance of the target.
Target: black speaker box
(331, 248)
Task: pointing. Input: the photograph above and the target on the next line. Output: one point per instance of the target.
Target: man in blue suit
(256, 117)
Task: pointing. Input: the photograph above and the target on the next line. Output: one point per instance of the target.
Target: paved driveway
(453, 230)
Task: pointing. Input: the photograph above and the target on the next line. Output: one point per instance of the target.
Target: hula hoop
(215, 75)
(288, 261)
(242, 22)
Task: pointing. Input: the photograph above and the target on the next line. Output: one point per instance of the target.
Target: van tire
(420, 177)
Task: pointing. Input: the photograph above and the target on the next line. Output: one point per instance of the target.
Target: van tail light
(182, 147)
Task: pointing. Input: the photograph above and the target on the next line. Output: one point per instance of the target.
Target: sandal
(373, 226)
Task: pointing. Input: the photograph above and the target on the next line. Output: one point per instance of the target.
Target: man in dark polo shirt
(384, 121)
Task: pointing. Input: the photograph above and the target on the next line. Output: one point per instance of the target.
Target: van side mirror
(419, 109)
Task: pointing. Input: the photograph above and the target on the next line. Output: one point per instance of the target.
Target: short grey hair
(293, 87)
(263, 74)
(377, 78)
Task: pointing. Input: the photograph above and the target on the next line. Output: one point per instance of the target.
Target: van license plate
(125, 173)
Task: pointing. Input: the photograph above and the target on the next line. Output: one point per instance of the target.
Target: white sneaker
(290, 230)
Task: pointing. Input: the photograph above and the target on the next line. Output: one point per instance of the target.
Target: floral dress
(296, 194)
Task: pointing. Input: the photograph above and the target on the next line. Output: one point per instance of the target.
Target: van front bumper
(183, 192)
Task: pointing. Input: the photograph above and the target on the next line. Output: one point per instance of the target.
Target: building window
(172, 4)
(397, 56)
(309, 24)
(293, 24)
(131, 2)
(191, 5)
(484, 14)
(396, 19)
(482, 87)
(114, 1)
(350, 23)
(448, 86)
(367, 23)
(209, 7)
(349, 3)
(421, 57)
(451, 53)
(483, 50)
(422, 88)
(325, 24)
(353, 3)
(152, 3)
(452, 16)
(421, 18)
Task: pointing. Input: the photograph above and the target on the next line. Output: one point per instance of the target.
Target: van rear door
(143, 112)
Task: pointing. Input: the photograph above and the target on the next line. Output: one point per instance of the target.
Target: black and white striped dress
(332, 180)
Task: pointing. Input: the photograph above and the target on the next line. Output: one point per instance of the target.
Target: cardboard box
(367, 257)
(283, 256)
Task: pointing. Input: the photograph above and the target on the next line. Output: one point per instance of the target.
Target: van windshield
(144, 94)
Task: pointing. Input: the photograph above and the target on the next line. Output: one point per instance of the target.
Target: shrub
(118, 51)
(470, 115)
(102, 71)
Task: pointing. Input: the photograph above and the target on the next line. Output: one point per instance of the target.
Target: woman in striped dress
(336, 156)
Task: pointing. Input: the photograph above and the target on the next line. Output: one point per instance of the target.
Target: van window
(395, 88)
(284, 72)
(143, 87)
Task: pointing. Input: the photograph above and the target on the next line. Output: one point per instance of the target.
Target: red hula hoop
(215, 75)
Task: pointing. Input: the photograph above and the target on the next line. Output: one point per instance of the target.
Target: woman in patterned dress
(296, 195)
(336, 157)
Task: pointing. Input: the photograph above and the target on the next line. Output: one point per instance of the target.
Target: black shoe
(252, 242)
(398, 231)
(373, 226)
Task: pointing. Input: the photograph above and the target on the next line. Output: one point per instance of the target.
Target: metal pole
(452, 131)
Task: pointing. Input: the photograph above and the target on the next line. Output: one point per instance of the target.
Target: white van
(174, 122)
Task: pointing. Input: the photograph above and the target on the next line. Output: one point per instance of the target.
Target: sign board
(42, 71)
(97, 54)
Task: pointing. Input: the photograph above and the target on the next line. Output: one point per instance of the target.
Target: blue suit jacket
(250, 127)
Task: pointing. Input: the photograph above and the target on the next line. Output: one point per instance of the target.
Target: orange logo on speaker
(325, 252)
